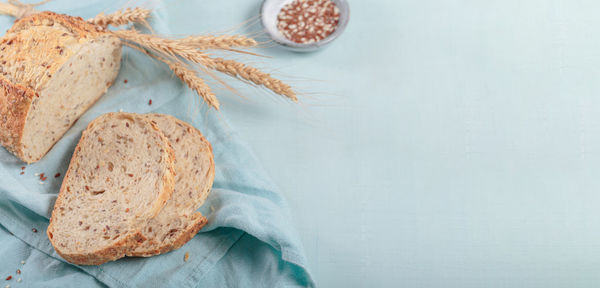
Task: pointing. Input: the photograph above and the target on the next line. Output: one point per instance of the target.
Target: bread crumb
(37, 174)
(19, 280)
(7, 286)
(120, 110)
(41, 182)
(186, 257)
(22, 262)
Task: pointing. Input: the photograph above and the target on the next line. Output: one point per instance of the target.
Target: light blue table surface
(438, 143)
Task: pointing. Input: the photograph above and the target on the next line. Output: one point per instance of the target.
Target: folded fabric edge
(291, 253)
(293, 259)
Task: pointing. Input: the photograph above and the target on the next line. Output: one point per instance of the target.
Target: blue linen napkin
(249, 240)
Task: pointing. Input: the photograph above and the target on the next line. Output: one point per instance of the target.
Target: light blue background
(438, 143)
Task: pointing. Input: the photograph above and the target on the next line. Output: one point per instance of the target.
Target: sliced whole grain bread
(178, 222)
(53, 67)
(121, 174)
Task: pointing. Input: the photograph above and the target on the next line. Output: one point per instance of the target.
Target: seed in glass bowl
(308, 21)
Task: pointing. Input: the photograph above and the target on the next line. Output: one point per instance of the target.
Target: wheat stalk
(220, 42)
(170, 47)
(174, 49)
(188, 49)
(121, 17)
(19, 10)
(249, 73)
(187, 75)
(8, 9)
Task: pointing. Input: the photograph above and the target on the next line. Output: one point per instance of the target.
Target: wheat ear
(187, 75)
(121, 17)
(169, 47)
(220, 42)
(249, 73)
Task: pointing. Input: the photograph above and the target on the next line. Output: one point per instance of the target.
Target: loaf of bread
(120, 176)
(53, 67)
(178, 222)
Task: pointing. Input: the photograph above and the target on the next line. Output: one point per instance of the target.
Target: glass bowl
(269, 11)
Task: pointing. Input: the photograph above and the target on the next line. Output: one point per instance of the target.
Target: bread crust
(199, 221)
(15, 101)
(74, 24)
(120, 248)
(17, 92)
(108, 254)
(168, 178)
(211, 171)
(184, 237)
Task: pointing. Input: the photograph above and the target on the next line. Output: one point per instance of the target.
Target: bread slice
(121, 175)
(53, 67)
(178, 222)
